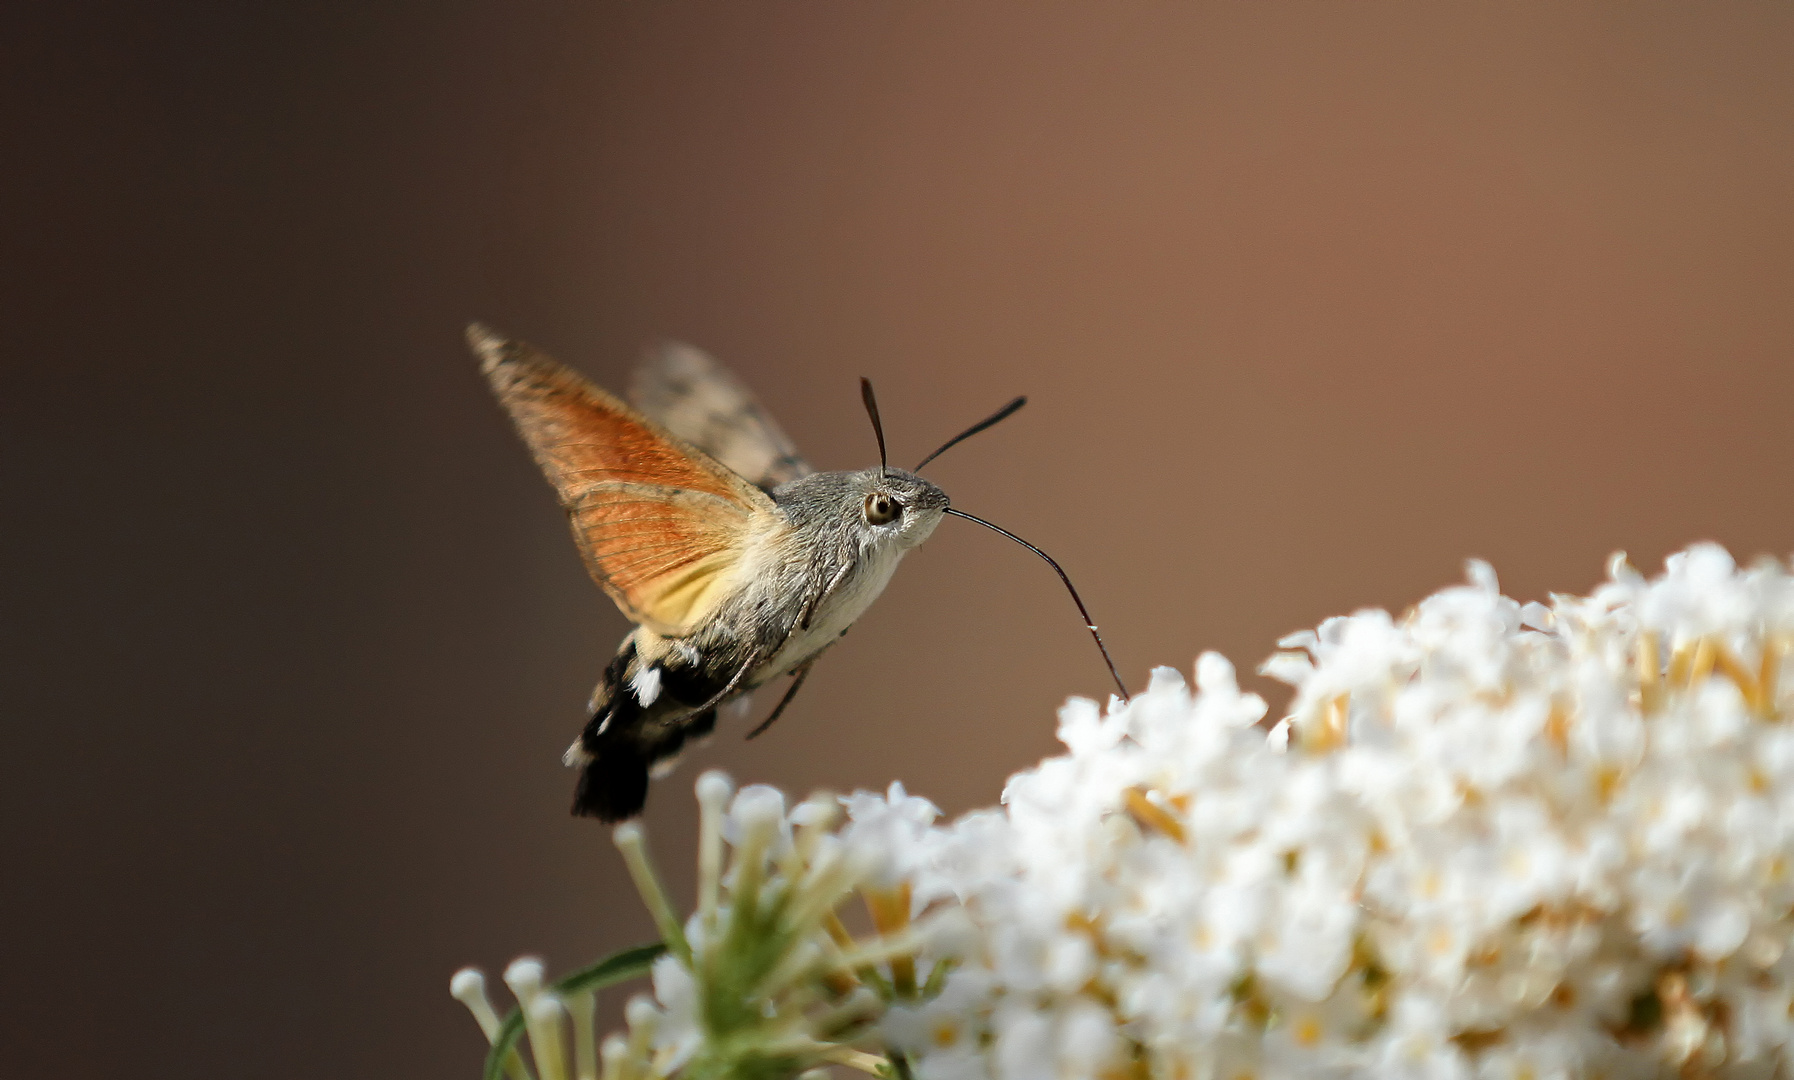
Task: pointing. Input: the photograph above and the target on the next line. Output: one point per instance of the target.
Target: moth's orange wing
(662, 526)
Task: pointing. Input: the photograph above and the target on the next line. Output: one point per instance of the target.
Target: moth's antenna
(1001, 414)
(877, 428)
(1082, 610)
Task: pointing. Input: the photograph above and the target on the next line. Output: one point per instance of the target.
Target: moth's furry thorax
(807, 592)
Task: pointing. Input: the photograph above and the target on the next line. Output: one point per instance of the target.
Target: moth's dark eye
(881, 509)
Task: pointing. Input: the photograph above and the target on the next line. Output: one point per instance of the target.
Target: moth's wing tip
(667, 359)
(487, 344)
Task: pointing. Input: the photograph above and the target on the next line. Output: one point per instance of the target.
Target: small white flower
(892, 834)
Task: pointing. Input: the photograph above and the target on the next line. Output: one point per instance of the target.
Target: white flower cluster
(764, 981)
(1492, 841)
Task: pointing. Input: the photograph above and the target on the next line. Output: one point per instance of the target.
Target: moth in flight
(736, 560)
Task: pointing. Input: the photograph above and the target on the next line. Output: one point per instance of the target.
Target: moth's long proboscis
(1089, 624)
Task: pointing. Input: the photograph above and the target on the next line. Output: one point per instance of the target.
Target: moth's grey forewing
(687, 392)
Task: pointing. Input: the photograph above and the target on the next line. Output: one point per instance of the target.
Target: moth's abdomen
(642, 717)
(613, 786)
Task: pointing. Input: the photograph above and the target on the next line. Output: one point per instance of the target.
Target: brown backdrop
(1312, 302)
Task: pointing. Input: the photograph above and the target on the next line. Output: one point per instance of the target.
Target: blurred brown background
(1311, 301)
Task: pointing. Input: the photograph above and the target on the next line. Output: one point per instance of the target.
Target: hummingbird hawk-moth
(737, 561)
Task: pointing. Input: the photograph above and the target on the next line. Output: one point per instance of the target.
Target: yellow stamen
(1732, 668)
(890, 914)
(1330, 732)
(838, 978)
(837, 930)
(1607, 781)
(1705, 652)
(889, 907)
(1770, 671)
(1679, 662)
(1478, 1041)
(1081, 923)
(1151, 815)
(1557, 728)
(1650, 671)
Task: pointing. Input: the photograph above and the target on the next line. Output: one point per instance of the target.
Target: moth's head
(887, 509)
(895, 507)
(877, 509)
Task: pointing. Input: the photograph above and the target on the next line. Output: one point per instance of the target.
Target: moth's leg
(803, 672)
(694, 731)
(797, 680)
(701, 725)
(748, 665)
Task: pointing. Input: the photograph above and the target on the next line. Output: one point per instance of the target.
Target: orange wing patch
(662, 526)
(664, 554)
